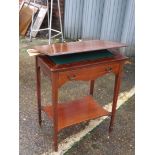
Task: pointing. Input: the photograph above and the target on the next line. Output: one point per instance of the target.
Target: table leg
(55, 112)
(38, 88)
(92, 82)
(116, 92)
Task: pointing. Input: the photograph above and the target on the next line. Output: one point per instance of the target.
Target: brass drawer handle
(108, 69)
(71, 77)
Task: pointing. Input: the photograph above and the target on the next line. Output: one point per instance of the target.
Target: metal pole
(48, 12)
(62, 39)
(32, 22)
(50, 25)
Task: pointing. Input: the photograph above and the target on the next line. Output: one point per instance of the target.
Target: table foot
(110, 129)
(55, 141)
(40, 123)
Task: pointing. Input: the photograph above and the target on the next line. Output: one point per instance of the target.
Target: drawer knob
(71, 77)
(108, 69)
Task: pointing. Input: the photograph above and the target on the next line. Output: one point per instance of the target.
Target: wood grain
(76, 47)
(76, 111)
(44, 61)
(86, 74)
(25, 18)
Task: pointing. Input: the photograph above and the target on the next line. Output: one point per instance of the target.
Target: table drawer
(89, 73)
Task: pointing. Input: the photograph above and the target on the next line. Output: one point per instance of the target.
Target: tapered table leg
(92, 82)
(38, 88)
(116, 92)
(55, 110)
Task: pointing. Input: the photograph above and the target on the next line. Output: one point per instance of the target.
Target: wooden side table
(67, 114)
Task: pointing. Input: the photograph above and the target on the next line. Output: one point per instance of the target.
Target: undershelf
(77, 111)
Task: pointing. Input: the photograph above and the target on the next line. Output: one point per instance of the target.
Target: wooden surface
(54, 99)
(76, 111)
(76, 47)
(87, 74)
(49, 66)
(66, 114)
(38, 88)
(25, 17)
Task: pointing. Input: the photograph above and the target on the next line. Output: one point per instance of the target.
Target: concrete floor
(36, 141)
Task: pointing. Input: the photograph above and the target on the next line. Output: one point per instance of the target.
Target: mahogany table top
(53, 67)
(76, 47)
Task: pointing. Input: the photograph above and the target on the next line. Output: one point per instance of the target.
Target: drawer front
(89, 73)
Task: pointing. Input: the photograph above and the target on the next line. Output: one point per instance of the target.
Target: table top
(62, 67)
(76, 47)
(80, 57)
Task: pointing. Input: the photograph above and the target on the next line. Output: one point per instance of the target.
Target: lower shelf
(77, 111)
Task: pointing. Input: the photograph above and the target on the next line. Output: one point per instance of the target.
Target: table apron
(88, 73)
(44, 68)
